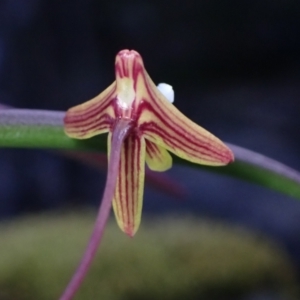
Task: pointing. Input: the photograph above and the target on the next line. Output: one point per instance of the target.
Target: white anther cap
(167, 91)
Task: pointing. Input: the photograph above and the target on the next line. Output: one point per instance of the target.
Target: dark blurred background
(235, 68)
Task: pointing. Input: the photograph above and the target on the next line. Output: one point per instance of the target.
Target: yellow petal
(163, 124)
(128, 200)
(92, 117)
(157, 158)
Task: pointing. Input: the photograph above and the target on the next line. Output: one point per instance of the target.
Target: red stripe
(99, 123)
(190, 151)
(119, 69)
(119, 198)
(153, 150)
(117, 190)
(134, 189)
(179, 132)
(126, 145)
(164, 120)
(191, 139)
(82, 116)
(149, 148)
(175, 142)
(125, 67)
(97, 104)
(84, 130)
(136, 174)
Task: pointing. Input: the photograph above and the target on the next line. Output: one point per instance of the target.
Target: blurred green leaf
(169, 259)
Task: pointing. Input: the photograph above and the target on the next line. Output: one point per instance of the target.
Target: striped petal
(157, 158)
(92, 117)
(163, 124)
(128, 200)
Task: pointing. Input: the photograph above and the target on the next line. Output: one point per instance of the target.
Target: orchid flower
(154, 127)
(142, 126)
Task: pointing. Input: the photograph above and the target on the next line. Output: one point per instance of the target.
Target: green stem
(26, 128)
(44, 129)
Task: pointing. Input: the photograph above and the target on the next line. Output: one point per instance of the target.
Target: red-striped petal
(92, 117)
(157, 158)
(162, 123)
(128, 200)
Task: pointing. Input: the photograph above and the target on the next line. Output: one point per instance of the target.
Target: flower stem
(119, 133)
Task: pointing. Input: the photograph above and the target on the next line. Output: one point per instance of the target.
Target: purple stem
(119, 133)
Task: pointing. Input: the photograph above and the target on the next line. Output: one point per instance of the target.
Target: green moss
(169, 258)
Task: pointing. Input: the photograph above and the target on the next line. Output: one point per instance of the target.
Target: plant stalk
(119, 133)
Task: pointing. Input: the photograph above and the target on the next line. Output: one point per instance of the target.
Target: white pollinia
(167, 91)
